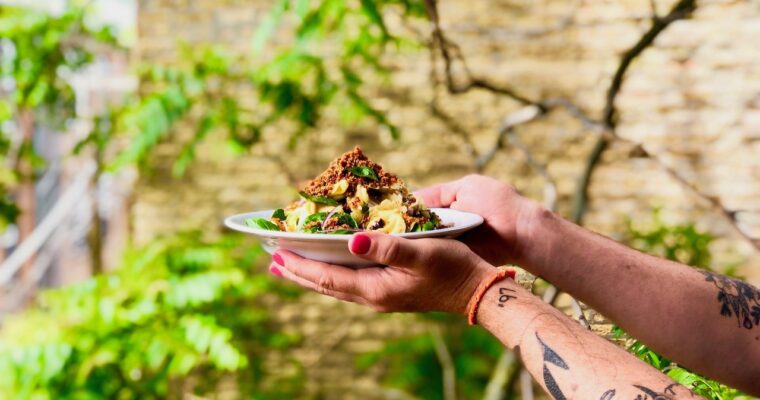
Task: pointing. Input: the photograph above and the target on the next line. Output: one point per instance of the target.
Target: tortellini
(391, 213)
(339, 189)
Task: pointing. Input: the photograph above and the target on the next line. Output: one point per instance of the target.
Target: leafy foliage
(683, 243)
(37, 51)
(290, 90)
(411, 364)
(176, 310)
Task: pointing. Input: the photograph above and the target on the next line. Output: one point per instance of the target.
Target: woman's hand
(421, 274)
(508, 216)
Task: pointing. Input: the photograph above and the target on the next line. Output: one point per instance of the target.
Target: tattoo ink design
(551, 357)
(505, 296)
(737, 298)
(647, 393)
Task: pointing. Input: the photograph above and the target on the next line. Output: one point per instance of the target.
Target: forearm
(662, 303)
(568, 361)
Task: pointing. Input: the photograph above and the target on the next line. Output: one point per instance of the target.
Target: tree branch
(447, 364)
(680, 10)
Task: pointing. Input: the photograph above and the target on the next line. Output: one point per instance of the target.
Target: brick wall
(694, 98)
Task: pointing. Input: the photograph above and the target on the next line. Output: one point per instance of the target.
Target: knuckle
(391, 252)
(325, 284)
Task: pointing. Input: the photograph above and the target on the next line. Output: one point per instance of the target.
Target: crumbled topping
(338, 170)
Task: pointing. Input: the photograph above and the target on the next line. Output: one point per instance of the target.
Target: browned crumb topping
(338, 169)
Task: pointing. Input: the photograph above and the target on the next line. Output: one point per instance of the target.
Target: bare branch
(447, 364)
(521, 116)
(498, 384)
(680, 10)
(450, 52)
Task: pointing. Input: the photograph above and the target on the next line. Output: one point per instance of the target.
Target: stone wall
(693, 98)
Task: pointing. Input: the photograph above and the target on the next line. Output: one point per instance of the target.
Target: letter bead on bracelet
(472, 307)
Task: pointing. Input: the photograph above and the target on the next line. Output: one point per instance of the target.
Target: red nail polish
(360, 244)
(278, 259)
(276, 272)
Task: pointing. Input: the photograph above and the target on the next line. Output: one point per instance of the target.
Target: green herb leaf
(262, 223)
(363, 172)
(346, 219)
(365, 208)
(428, 226)
(279, 214)
(320, 216)
(318, 199)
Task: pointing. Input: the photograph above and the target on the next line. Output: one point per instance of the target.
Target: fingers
(388, 249)
(441, 195)
(284, 273)
(325, 278)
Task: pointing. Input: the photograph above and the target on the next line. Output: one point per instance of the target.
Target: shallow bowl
(334, 248)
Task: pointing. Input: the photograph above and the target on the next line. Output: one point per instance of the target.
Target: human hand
(421, 274)
(506, 213)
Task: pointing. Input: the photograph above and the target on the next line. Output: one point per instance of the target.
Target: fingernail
(276, 272)
(277, 258)
(360, 244)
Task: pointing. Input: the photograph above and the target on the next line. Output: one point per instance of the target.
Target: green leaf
(346, 219)
(373, 13)
(318, 199)
(363, 172)
(320, 216)
(279, 214)
(262, 223)
(428, 226)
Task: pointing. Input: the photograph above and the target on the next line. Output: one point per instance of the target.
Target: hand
(421, 274)
(506, 213)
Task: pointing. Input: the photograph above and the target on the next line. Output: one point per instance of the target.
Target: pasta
(354, 194)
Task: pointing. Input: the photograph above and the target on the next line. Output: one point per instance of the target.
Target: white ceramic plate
(334, 248)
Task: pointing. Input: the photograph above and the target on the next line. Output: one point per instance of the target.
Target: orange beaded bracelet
(472, 306)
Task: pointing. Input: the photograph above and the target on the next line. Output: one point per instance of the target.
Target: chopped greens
(279, 214)
(363, 172)
(262, 223)
(318, 199)
(346, 219)
(427, 226)
(320, 216)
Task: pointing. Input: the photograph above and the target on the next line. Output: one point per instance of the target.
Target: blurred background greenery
(130, 128)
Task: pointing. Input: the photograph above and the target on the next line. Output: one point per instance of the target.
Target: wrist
(533, 227)
(479, 274)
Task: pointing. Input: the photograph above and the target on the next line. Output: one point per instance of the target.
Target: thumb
(386, 249)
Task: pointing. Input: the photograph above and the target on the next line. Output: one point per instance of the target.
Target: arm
(706, 322)
(441, 275)
(566, 359)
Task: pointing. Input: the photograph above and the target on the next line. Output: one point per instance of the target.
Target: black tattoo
(550, 356)
(647, 393)
(505, 296)
(608, 395)
(737, 298)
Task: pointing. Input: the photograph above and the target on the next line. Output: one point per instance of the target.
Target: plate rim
(230, 224)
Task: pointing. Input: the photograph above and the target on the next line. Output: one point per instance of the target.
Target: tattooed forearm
(551, 357)
(738, 299)
(505, 295)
